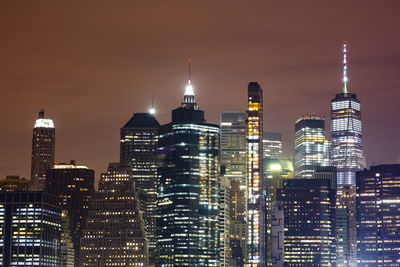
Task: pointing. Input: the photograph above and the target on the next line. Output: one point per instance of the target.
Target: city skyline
(41, 76)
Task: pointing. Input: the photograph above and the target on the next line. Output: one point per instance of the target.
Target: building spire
(345, 67)
(188, 99)
(152, 110)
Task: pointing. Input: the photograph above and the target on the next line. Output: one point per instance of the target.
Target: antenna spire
(189, 62)
(345, 67)
(152, 110)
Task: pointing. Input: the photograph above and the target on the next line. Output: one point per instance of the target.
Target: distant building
(346, 130)
(272, 145)
(74, 184)
(43, 150)
(311, 146)
(67, 252)
(225, 253)
(138, 151)
(275, 171)
(238, 226)
(309, 219)
(377, 215)
(233, 146)
(14, 183)
(30, 224)
(187, 194)
(114, 234)
(255, 187)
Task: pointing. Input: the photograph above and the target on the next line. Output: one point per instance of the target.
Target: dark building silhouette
(14, 183)
(43, 150)
(309, 219)
(30, 225)
(138, 152)
(377, 216)
(74, 185)
(187, 195)
(114, 234)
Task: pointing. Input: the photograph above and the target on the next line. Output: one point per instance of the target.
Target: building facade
(187, 194)
(311, 146)
(238, 226)
(309, 219)
(255, 187)
(377, 216)
(30, 226)
(14, 183)
(138, 151)
(224, 221)
(114, 234)
(346, 131)
(272, 145)
(43, 150)
(74, 185)
(233, 146)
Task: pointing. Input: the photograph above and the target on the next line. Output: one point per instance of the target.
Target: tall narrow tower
(347, 147)
(43, 148)
(255, 188)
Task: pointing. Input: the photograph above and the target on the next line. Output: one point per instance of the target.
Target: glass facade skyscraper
(43, 150)
(233, 146)
(30, 227)
(187, 194)
(272, 145)
(377, 216)
(311, 146)
(255, 185)
(346, 131)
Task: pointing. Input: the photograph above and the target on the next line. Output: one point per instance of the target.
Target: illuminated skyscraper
(272, 145)
(114, 234)
(43, 149)
(74, 184)
(225, 253)
(311, 146)
(255, 187)
(138, 151)
(346, 130)
(309, 219)
(30, 226)
(187, 194)
(377, 216)
(233, 146)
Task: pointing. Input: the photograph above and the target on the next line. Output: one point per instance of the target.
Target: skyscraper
(311, 146)
(225, 254)
(272, 145)
(187, 194)
(233, 146)
(114, 234)
(43, 149)
(346, 131)
(74, 184)
(30, 226)
(255, 187)
(377, 216)
(309, 219)
(138, 151)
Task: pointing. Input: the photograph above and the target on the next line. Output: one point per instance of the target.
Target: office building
(30, 226)
(346, 132)
(225, 254)
(114, 234)
(14, 183)
(187, 195)
(74, 185)
(309, 219)
(138, 151)
(274, 173)
(377, 216)
(43, 150)
(233, 146)
(67, 252)
(255, 187)
(311, 146)
(272, 145)
(238, 226)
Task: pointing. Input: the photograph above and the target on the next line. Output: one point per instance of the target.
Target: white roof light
(44, 123)
(189, 90)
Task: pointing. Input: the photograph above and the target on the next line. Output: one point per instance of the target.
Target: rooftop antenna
(189, 62)
(152, 110)
(345, 67)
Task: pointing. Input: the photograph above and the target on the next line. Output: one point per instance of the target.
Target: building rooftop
(142, 120)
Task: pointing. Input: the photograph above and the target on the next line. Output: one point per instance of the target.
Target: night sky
(92, 64)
